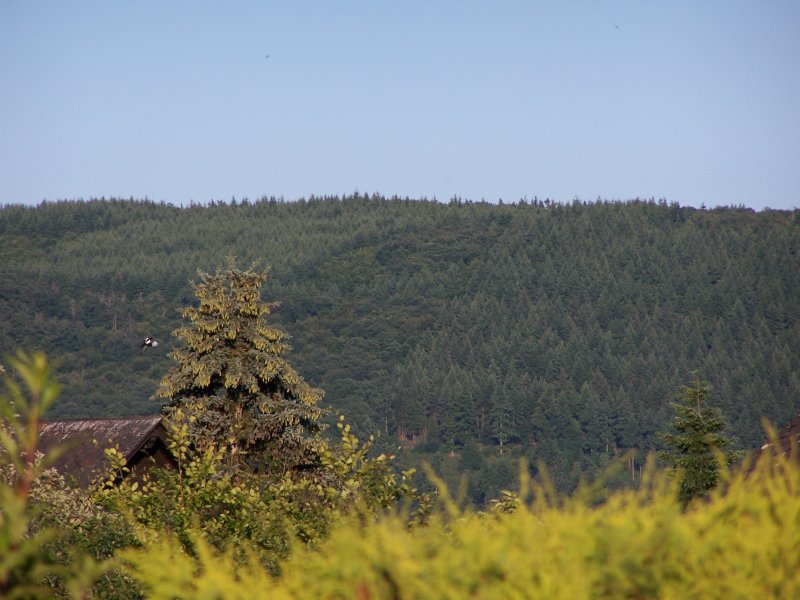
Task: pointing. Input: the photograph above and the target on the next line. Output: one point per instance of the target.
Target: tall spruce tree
(696, 441)
(233, 386)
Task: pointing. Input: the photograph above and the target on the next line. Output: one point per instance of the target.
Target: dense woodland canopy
(475, 332)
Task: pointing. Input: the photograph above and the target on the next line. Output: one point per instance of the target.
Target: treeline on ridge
(473, 332)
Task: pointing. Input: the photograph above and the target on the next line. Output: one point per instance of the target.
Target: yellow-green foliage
(32, 562)
(741, 543)
(202, 502)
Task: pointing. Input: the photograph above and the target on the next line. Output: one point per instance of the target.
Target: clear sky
(693, 101)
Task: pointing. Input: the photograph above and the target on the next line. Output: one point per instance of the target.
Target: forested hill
(561, 331)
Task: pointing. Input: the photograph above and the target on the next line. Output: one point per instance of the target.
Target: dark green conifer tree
(232, 383)
(696, 442)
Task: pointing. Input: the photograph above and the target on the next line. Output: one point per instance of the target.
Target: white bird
(148, 341)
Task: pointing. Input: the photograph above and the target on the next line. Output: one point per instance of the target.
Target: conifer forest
(468, 334)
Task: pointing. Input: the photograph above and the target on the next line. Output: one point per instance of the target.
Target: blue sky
(697, 102)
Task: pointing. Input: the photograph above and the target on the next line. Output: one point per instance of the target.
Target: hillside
(556, 331)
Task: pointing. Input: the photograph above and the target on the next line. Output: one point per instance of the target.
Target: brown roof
(86, 439)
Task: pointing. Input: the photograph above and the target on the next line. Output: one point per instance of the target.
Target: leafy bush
(741, 542)
(46, 530)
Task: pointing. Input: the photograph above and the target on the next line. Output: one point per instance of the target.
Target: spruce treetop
(231, 381)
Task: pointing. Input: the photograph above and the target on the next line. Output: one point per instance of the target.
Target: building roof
(85, 441)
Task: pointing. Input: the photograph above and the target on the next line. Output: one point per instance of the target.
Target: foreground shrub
(45, 529)
(202, 502)
(742, 542)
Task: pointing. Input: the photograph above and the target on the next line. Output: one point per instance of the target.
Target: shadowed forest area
(470, 333)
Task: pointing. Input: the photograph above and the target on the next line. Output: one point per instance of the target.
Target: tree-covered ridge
(556, 330)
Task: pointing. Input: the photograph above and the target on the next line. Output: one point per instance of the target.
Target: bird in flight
(149, 342)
